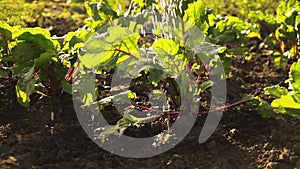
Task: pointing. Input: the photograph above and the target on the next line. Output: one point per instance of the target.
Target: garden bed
(243, 139)
(48, 133)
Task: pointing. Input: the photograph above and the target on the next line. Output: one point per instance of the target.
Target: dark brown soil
(29, 139)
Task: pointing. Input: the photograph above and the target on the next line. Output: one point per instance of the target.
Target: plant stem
(127, 53)
(279, 42)
(175, 114)
(147, 108)
(295, 50)
(6, 43)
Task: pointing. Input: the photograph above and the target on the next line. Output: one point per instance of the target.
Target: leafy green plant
(31, 56)
(228, 34)
(231, 35)
(102, 12)
(285, 100)
(131, 46)
(280, 33)
(47, 61)
(19, 12)
(242, 8)
(38, 61)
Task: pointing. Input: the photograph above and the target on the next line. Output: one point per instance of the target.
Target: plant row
(113, 37)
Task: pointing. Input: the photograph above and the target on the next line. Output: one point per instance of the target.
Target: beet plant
(167, 49)
(31, 57)
(280, 33)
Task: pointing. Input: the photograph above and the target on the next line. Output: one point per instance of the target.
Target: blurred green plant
(280, 33)
(58, 17)
(285, 101)
(19, 12)
(242, 8)
(231, 34)
(32, 57)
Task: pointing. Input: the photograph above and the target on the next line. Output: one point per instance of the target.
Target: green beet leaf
(45, 59)
(6, 35)
(276, 91)
(165, 46)
(21, 53)
(25, 86)
(266, 110)
(194, 14)
(205, 85)
(43, 40)
(5, 30)
(286, 101)
(295, 76)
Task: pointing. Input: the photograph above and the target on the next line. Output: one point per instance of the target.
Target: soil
(243, 139)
